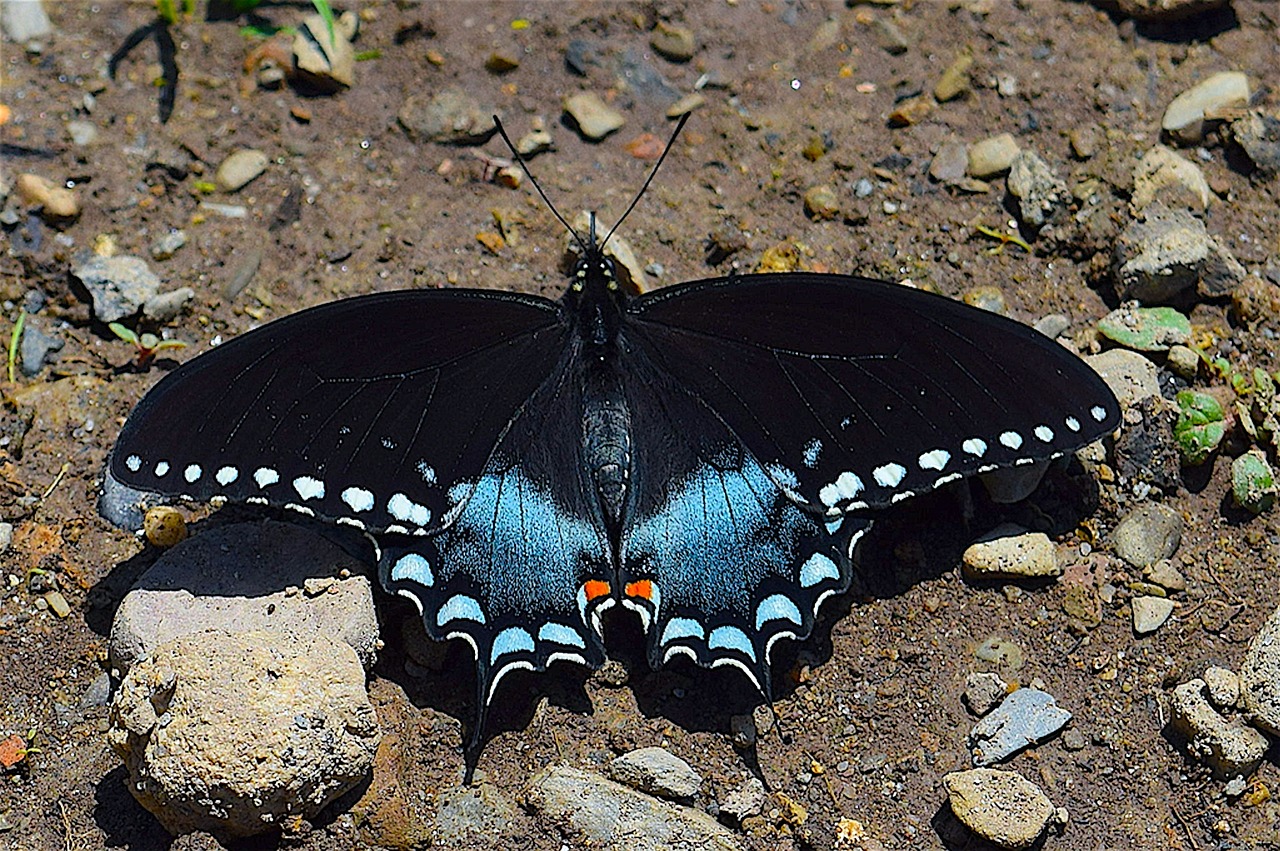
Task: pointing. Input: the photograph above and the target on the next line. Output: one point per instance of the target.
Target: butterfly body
(707, 456)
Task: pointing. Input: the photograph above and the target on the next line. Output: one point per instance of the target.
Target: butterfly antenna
(652, 174)
(502, 131)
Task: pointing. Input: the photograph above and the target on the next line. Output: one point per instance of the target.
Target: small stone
(1084, 141)
(1011, 552)
(911, 111)
(6, 537)
(1171, 254)
(1189, 114)
(950, 163)
(1183, 361)
(685, 105)
(1073, 740)
(992, 156)
(1026, 717)
(954, 81)
(1148, 534)
(744, 801)
(1162, 175)
(821, 203)
(1053, 325)
(119, 286)
(239, 168)
(1164, 574)
(168, 244)
(1226, 745)
(999, 651)
(501, 62)
(82, 133)
(742, 730)
(988, 298)
(24, 21)
(1258, 135)
(656, 771)
(57, 603)
(983, 692)
(1130, 376)
(37, 348)
(164, 526)
(1260, 676)
(1150, 613)
(1041, 195)
(593, 117)
(533, 143)
(165, 306)
(673, 43)
(1001, 807)
(449, 117)
(890, 37)
(56, 203)
(1222, 687)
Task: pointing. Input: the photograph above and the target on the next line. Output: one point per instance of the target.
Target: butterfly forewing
(376, 411)
(855, 393)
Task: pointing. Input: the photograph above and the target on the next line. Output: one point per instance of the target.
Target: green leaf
(123, 333)
(326, 12)
(1200, 427)
(1146, 329)
(13, 341)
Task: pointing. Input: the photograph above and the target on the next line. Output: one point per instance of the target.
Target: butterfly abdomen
(606, 439)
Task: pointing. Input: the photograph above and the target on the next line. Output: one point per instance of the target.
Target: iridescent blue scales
(707, 456)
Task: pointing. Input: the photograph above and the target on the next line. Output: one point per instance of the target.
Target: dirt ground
(350, 204)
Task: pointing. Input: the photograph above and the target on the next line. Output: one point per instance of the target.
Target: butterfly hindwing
(863, 392)
(301, 413)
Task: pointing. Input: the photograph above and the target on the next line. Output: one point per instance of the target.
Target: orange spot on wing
(594, 588)
(642, 588)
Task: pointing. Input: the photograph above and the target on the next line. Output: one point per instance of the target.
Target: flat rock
(950, 163)
(1260, 676)
(1129, 375)
(1026, 717)
(593, 117)
(1189, 114)
(1147, 534)
(239, 169)
(248, 576)
(1040, 194)
(1165, 176)
(656, 771)
(474, 817)
(233, 732)
(1002, 807)
(593, 811)
(745, 800)
(673, 42)
(450, 117)
(1224, 744)
(992, 156)
(1150, 613)
(1170, 255)
(1011, 552)
(119, 286)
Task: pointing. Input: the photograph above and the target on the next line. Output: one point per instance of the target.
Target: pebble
(534, 142)
(165, 306)
(1226, 745)
(82, 133)
(1026, 717)
(1129, 375)
(1260, 677)
(239, 169)
(1175, 181)
(234, 732)
(1148, 534)
(24, 20)
(1150, 613)
(57, 603)
(164, 526)
(950, 163)
(954, 81)
(593, 811)
(6, 537)
(98, 693)
(890, 37)
(983, 692)
(1084, 141)
(1001, 807)
(656, 771)
(1258, 134)
(1183, 361)
(1185, 118)
(685, 105)
(1053, 325)
(323, 64)
(1041, 195)
(1164, 574)
(911, 111)
(1222, 687)
(999, 651)
(593, 117)
(672, 42)
(1008, 552)
(744, 801)
(450, 117)
(37, 348)
(119, 286)
(168, 244)
(502, 62)
(56, 203)
(992, 156)
(238, 578)
(1167, 255)
(821, 203)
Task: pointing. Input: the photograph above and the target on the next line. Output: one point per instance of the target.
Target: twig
(56, 479)
(1185, 827)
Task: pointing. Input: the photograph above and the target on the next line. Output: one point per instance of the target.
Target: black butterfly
(707, 455)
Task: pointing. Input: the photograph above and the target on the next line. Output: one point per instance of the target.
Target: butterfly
(707, 455)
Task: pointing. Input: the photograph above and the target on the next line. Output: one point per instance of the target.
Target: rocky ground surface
(1102, 671)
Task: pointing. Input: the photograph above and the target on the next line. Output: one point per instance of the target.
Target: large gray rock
(1260, 676)
(1147, 534)
(602, 814)
(232, 732)
(656, 771)
(1169, 256)
(119, 286)
(1224, 744)
(269, 576)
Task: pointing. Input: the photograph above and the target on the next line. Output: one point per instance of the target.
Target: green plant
(14, 338)
(147, 345)
(1200, 426)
